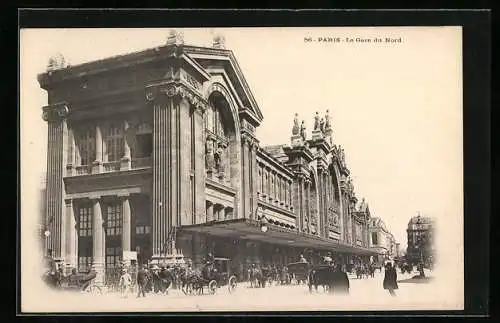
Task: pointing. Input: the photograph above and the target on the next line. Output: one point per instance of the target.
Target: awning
(249, 229)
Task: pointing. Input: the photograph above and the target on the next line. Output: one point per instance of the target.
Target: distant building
(420, 239)
(382, 240)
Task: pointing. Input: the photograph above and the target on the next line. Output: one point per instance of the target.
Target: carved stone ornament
(175, 38)
(172, 89)
(55, 112)
(303, 133)
(56, 62)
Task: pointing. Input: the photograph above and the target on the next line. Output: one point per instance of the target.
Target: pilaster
(71, 256)
(171, 101)
(99, 240)
(55, 116)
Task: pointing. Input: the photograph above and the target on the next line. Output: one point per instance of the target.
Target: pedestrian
(142, 280)
(340, 281)
(390, 279)
(125, 282)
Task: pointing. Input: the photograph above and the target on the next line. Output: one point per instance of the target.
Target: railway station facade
(156, 152)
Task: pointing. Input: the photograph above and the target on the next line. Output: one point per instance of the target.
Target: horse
(321, 276)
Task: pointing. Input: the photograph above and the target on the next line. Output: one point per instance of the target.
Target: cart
(216, 275)
(299, 271)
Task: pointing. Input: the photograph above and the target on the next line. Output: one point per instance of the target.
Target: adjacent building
(420, 240)
(382, 240)
(155, 152)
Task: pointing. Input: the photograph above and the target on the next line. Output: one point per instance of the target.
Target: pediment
(223, 62)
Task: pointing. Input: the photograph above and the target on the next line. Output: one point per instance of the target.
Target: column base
(125, 163)
(99, 268)
(97, 167)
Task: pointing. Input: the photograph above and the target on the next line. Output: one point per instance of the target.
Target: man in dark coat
(390, 279)
(340, 281)
(142, 281)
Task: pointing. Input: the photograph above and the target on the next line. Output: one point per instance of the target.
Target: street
(365, 294)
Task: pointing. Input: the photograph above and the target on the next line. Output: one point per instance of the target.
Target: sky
(396, 108)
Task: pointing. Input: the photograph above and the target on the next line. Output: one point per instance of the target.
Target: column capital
(95, 198)
(176, 89)
(55, 112)
(68, 201)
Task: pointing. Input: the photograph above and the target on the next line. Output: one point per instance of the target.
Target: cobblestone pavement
(365, 294)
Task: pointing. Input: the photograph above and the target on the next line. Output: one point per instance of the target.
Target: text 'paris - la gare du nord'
(352, 40)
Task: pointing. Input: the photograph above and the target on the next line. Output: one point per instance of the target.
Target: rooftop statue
(322, 125)
(328, 124)
(175, 38)
(56, 62)
(219, 42)
(303, 130)
(295, 128)
(316, 121)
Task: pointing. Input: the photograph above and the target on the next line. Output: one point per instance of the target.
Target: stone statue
(209, 155)
(295, 128)
(219, 42)
(342, 155)
(322, 125)
(56, 62)
(175, 38)
(328, 124)
(219, 159)
(303, 130)
(316, 121)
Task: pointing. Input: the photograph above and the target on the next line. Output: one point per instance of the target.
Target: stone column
(71, 256)
(126, 225)
(70, 164)
(97, 164)
(126, 159)
(255, 178)
(210, 211)
(99, 241)
(55, 116)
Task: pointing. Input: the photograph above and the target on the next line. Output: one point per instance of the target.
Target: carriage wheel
(231, 285)
(93, 289)
(212, 287)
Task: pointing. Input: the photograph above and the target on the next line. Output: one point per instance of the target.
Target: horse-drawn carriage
(55, 277)
(213, 275)
(299, 271)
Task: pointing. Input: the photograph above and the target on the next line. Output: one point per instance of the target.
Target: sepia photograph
(241, 169)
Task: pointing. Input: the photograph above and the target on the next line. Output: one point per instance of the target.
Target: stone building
(420, 246)
(382, 240)
(156, 152)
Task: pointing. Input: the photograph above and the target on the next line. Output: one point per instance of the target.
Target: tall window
(374, 238)
(260, 181)
(114, 142)
(214, 121)
(85, 140)
(84, 226)
(114, 219)
(144, 138)
(113, 257)
(85, 221)
(84, 258)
